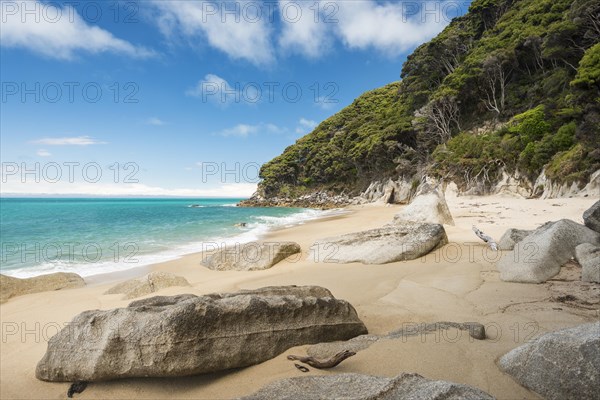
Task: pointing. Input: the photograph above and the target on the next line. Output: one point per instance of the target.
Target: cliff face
(512, 88)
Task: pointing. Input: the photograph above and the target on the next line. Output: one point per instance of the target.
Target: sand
(455, 283)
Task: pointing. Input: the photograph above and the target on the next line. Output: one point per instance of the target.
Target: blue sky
(185, 97)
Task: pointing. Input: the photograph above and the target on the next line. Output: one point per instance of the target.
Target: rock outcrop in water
(186, 335)
(11, 287)
(560, 365)
(361, 387)
(317, 199)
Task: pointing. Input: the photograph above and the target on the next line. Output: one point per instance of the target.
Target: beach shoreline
(141, 270)
(155, 231)
(456, 283)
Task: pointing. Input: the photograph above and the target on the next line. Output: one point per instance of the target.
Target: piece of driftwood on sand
(486, 238)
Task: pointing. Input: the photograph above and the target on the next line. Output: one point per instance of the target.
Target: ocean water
(102, 235)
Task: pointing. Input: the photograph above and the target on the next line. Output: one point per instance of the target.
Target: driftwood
(486, 238)
(301, 367)
(77, 387)
(322, 364)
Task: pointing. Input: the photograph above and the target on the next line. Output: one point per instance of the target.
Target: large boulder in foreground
(429, 206)
(588, 256)
(150, 283)
(591, 217)
(560, 365)
(394, 242)
(251, 256)
(11, 287)
(511, 237)
(362, 387)
(540, 255)
(166, 336)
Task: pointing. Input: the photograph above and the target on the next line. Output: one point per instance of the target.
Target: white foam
(297, 219)
(252, 232)
(89, 269)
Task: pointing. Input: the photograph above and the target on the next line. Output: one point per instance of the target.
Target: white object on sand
(486, 238)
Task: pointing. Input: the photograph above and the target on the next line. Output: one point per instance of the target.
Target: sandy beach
(457, 283)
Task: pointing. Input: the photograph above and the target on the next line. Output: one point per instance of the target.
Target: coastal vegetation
(512, 86)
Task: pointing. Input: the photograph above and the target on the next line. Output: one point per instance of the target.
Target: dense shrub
(532, 65)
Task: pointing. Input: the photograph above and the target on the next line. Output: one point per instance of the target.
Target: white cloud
(385, 27)
(216, 89)
(210, 83)
(304, 27)
(18, 187)
(245, 130)
(20, 180)
(239, 35)
(68, 141)
(390, 28)
(155, 121)
(271, 128)
(240, 130)
(307, 123)
(43, 153)
(232, 27)
(325, 103)
(58, 32)
(307, 28)
(305, 126)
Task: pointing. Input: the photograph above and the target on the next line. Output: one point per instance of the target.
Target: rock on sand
(167, 336)
(11, 287)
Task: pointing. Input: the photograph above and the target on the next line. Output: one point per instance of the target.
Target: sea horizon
(119, 196)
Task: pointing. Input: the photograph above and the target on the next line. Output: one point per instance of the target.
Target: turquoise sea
(91, 236)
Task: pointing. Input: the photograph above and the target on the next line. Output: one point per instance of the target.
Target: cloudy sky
(185, 97)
